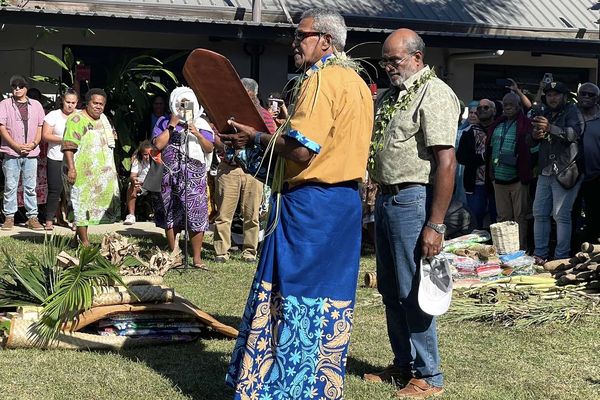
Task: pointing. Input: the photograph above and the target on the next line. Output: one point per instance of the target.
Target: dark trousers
(591, 197)
(55, 188)
(480, 203)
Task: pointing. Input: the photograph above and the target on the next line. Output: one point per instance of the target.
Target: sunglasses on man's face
(483, 108)
(588, 94)
(300, 35)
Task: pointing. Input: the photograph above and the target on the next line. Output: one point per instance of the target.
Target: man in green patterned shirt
(412, 159)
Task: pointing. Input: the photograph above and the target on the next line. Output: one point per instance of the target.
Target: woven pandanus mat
(21, 335)
(111, 295)
(135, 280)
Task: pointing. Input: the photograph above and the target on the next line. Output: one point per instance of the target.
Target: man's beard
(402, 76)
(558, 107)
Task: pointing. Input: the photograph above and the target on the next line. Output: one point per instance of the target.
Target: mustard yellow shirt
(332, 117)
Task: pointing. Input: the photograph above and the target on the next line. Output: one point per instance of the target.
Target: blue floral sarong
(295, 330)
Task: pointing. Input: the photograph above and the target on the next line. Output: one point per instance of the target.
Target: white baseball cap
(435, 285)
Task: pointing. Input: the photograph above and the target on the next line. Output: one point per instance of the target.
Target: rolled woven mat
(135, 280)
(135, 294)
(20, 337)
(179, 304)
(371, 280)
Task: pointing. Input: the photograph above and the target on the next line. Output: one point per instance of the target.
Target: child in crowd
(140, 165)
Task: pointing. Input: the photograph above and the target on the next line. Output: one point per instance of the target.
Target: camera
(275, 104)
(538, 110)
(548, 78)
(186, 111)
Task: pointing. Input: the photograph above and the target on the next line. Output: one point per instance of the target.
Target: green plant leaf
(32, 283)
(69, 58)
(54, 59)
(170, 75)
(175, 56)
(158, 85)
(130, 261)
(5, 326)
(126, 163)
(74, 293)
(48, 79)
(135, 60)
(138, 97)
(153, 68)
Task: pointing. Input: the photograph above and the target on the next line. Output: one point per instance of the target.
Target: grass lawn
(479, 361)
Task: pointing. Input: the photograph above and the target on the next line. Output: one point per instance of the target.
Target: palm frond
(73, 293)
(20, 285)
(14, 294)
(32, 283)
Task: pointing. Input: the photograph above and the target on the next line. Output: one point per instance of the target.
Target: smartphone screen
(188, 111)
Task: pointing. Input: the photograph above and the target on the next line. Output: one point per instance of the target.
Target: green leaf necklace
(388, 109)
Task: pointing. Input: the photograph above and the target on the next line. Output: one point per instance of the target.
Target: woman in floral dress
(88, 145)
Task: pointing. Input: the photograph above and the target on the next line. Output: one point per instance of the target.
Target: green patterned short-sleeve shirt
(431, 119)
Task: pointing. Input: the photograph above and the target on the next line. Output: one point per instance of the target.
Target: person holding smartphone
(510, 164)
(558, 132)
(277, 109)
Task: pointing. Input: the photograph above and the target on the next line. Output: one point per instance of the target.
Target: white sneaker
(129, 219)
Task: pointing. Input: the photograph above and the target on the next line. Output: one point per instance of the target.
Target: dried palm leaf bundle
(522, 302)
(116, 248)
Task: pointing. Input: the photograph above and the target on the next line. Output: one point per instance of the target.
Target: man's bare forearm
(287, 147)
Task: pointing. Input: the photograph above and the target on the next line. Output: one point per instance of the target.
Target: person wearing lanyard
(511, 164)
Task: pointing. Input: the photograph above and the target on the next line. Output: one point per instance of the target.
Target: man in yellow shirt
(295, 331)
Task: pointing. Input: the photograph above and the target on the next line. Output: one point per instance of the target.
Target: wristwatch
(439, 228)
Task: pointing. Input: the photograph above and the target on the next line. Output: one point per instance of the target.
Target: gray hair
(512, 96)
(330, 22)
(590, 85)
(250, 85)
(489, 103)
(414, 43)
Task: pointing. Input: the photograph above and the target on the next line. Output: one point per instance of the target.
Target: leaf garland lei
(387, 111)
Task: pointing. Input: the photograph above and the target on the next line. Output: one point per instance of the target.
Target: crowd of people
(520, 157)
(534, 160)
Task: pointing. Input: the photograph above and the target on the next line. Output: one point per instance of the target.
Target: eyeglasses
(300, 36)
(483, 108)
(588, 94)
(394, 62)
(17, 87)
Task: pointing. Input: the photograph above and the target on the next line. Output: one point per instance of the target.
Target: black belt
(396, 188)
